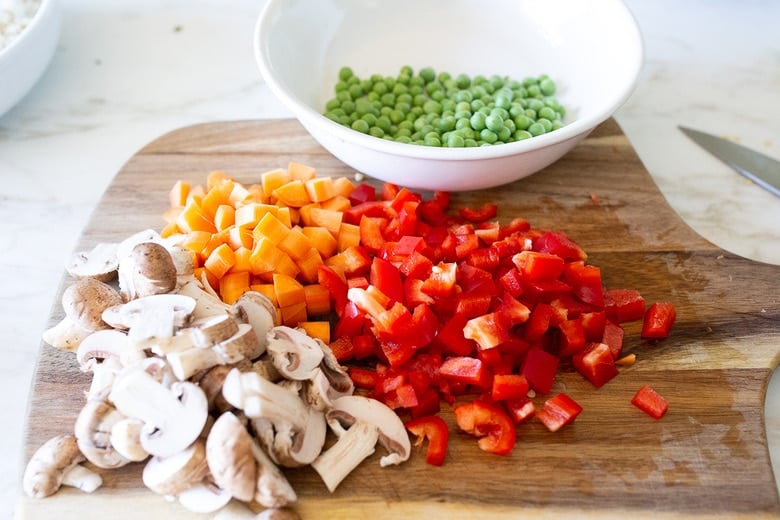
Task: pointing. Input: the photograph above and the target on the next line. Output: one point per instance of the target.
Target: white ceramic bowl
(23, 61)
(592, 50)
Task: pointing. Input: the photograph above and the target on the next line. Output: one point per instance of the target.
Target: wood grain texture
(708, 456)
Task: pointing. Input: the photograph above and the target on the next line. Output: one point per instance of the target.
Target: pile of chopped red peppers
(442, 306)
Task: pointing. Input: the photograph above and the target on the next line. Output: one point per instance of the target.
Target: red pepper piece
(362, 193)
(540, 368)
(538, 322)
(511, 281)
(342, 348)
(416, 265)
(451, 338)
(558, 411)
(490, 423)
(433, 429)
(558, 244)
(509, 386)
(586, 282)
(402, 397)
(613, 336)
(336, 286)
(650, 402)
(596, 364)
(539, 266)
(371, 208)
(464, 369)
(520, 409)
(622, 305)
(428, 403)
(363, 377)
(658, 320)
(593, 323)
(488, 330)
(408, 244)
(364, 345)
(386, 277)
(372, 233)
(442, 280)
(484, 212)
(572, 337)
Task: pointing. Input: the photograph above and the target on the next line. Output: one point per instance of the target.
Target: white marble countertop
(127, 71)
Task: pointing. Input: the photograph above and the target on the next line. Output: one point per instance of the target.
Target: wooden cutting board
(707, 456)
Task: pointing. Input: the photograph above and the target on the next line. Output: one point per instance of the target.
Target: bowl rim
(308, 116)
(35, 21)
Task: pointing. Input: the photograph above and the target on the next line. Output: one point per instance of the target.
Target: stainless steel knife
(759, 168)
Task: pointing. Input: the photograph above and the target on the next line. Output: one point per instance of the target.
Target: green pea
(462, 81)
(531, 113)
(444, 76)
(403, 107)
(406, 125)
(477, 104)
(438, 95)
(432, 107)
(522, 134)
(504, 133)
(501, 112)
(406, 70)
(420, 100)
(355, 90)
(478, 121)
(340, 85)
(376, 131)
(534, 91)
(332, 103)
(396, 116)
(416, 81)
(466, 132)
(447, 123)
(530, 80)
(510, 124)
(427, 74)
(405, 139)
(488, 136)
(432, 139)
(546, 123)
(455, 141)
(536, 104)
(361, 126)
(383, 122)
(369, 118)
(332, 116)
(460, 114)
(345, 73)
(547, 113)
(376, 78)
(494, 122)
(366, 85)
(463, 122)
(503, 101)
(547, 86)
(557, 124)
(400, 88)
(372, 96)
(432, 87)
(380, 88)
(536, 129)
(348, 106)
(470, 143)
(345, 120)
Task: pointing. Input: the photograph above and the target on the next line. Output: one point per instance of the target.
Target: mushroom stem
(338, 461)
(82, 478)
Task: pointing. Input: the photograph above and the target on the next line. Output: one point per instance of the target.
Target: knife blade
(759, 168)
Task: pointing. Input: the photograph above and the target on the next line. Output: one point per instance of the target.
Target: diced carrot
(305, 213)
(287, 265)
(349, 235)
(250, 214)
(243, 262)
(196, 193)
(192, 218)
(271, 228)
(216, 177)
(169, 230)
(317, 299)
(336, 203)
(343, 186)
(295, 243)
(309, 264)
(330, 220)
(214, 242)
(273, 179)
(317, 329)
(301, 171)
(201, 273)
(216, 196)
(288, 290)
(233, 285)
(255, 193)
(240, 237)
(292, 193)
(285, 215)
(195, 241)
(239, 193)
(266, 289)
(320, 189)
(177, 197)
(265, 257)
(221, 259)
(171, 214)
(322, 239)
(224, 217)
(293, 314)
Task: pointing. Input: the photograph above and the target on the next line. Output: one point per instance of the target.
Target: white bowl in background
(25, 58)
(593, 51)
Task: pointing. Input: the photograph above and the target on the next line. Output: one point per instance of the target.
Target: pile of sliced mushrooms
(213, 399)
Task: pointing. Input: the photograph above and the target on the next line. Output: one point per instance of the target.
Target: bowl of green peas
(454, 96)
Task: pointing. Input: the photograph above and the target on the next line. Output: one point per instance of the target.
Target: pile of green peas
(441, 110)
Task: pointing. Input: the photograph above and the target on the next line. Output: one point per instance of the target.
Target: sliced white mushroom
(148, 269)
(242, 345)
(126, 439)
(207, 332)
(204, 498)
(212, 380)
(173, 417)
(151, 317)
(93, 434)
(100, 263)
(295, 354)
(65, 335)
(259, 311)
(273, 488)
(230, 459)
(206, 304)
(173, 474)
(56, 463)
(360, 422)
(85, 300)
(329, 382)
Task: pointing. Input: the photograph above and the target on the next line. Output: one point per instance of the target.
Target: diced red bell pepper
(441, 281)
(466, 370)
(511, 311)
(372, 232)
(490, 423)
(586, 282)
(473, 304)
(509, 386)
(362, 193)
(364, 345)
(356, 260)
(336, 286)
(480, 214)
(371, 208)
(622, 305)
(488, 231)
(593, 323)
(572, 337)
(558, 411)
(538, 322)
(416, 265)
(342, 348)
(408, 244)
(397, 352)
(433, 429)
(539, 266)
(363, 377)
(451, 338)
(613, 336)
(511, 281)
(520, 409)
(658, 320)
(596, 364)
(540, 368)
(559, 244)
(428, 403)
(488, 330)
(386, 277)
(351, 321)
(650, 402)
(516, 225)
(389, 191)
(403, 396)
(544, 290)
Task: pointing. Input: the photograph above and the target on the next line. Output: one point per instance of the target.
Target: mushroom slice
(93, 434)
(205, 304)
(178, 472)
(242, 345)
(147, 270)
(207, 332)
(85, 300)
(295, 354)
(56, 463)
(211, 381)
(230, 459)
(174, 417)
(151, 317)
(65, 335)
(100, 263)
(204, 498)
(259, 311)
(273, 488)
(367, 421)
(126, 439)
(329, 382)
(105, 344)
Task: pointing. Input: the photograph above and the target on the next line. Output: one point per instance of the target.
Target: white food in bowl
(592, 50)
(29, 32)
